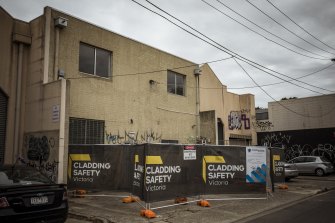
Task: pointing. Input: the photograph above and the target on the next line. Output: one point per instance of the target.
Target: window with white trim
(94, 60)
(176, 83)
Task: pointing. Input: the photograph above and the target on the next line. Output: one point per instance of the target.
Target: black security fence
(157, 172)
(277, 168)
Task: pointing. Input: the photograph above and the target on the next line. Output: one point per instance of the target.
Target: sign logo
(77, 157)
(158, 175)
(82, 169)
(210, 159)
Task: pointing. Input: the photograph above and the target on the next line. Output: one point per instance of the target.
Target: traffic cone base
(148, 213)
(204, 203)
(283, 186)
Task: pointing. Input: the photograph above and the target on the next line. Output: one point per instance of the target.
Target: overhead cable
(303, 76)
(262, 28)
(254, 31)
(281, 104)
(276, 7)
(226, 50)
(267, 15)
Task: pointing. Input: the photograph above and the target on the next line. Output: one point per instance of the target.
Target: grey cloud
(127, 18)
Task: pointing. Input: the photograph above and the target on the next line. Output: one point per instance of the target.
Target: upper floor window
(94, 60)
(176, 83)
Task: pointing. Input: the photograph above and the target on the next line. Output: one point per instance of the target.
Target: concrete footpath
(109, 208)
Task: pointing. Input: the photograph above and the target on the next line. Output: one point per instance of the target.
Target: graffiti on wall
(326, 150)
(40, 151)
(302, 143)
(234, 120)
(239, 119)
(198, 140)
(262, 125)
(276, 139)
(39, 147)
(131, 137)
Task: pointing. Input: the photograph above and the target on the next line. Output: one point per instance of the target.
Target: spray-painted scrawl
(41, 153)
(236, 118)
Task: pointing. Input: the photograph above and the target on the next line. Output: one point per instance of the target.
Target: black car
(26, 195)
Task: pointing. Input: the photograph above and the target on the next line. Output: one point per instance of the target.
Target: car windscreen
(13, 176)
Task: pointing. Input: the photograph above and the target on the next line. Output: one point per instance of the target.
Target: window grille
(86, 131)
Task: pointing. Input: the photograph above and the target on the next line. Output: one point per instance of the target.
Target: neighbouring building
(65, 81)
(304, 126)
(226, 118)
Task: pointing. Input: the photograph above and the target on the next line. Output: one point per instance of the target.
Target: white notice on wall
(190, 153)
(55, 113)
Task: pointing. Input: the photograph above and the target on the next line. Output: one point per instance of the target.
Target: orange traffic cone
(283, 186)
(148, 213)
(204, 203)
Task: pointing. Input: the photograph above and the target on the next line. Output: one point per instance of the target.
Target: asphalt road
(317, 209)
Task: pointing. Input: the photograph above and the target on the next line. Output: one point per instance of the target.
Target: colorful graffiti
(236, 117)
(131, 137)
(234, 120)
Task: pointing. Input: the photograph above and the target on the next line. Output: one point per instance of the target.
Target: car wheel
(319, 172)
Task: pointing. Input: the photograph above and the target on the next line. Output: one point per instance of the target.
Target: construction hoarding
(157, 172)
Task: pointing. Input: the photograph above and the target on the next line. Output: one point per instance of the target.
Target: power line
(266, 85)
(193, 65)
(254, 31)
(287, 108)
(276, 7)
(267, 15)
(226, 50)
(155, 71)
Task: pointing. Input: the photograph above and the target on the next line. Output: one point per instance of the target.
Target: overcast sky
(315, 16)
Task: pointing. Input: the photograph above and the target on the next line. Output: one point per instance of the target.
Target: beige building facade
(65, 81)
(231, 115)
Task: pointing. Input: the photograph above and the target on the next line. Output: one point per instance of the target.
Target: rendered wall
(127, 103)
(237, 112)
(309, 113)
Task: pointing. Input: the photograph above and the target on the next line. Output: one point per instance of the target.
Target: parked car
(313, 165)
(26, 195)
(291, 171)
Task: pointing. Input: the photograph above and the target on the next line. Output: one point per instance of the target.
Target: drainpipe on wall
(16, 152)
(61, 151)
(47, 12)
(56, 53)
(60, 23)
(197, 73)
